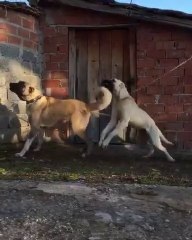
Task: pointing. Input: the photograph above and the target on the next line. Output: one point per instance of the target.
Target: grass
(55, 162)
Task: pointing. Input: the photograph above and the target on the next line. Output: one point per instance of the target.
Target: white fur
(125, 111)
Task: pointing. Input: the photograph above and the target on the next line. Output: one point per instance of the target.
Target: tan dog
(126, 112)
(47, 111)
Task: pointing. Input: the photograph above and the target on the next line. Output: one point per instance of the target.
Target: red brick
(174, 126)
(14, 17)
(187, 127)
(174, 108)
(51, 66)
(62, 48)
(185, 98)
(58, 58)
(14, 40)
(187, 145)
(154, 90)
(154, 53)
(173, 89)
(171, 135)
(185, 136)
(155, 108)
(60, 40)
(23, 33)
(172, 117)
(28, 44)
(3, 37)
(187, 80)
(162, 36)
(188, 89)
(185, 116)
(145, 63)
(50, 31)
(3, 12)
(165, 45)
(34, 37)
(188, 71)
(54, 83)
(63, 66)
(181, 35)
(170, 63)
(59, 74)
(168, 99)
(169, 81)
(187, 107)
(50, 47)
(175, 53)
(62, 30)
(143, 99)
(142, 54)
(9, 28)
(59, 92)
(29, 24)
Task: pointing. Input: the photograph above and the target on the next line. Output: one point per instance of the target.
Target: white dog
(125, 111)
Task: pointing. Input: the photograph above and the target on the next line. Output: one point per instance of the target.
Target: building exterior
(68, 46)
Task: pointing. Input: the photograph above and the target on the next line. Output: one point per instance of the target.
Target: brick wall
(54, 25)
(19, 60)
(168, 100)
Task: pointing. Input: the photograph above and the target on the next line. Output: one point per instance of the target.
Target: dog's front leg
(106, 130)
(26, 147)
(110, 125)
(121, 125)
(35, 129)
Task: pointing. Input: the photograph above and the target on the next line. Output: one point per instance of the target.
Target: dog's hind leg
(151, 150)
(155, 138)
(79, 126)
(40, 140)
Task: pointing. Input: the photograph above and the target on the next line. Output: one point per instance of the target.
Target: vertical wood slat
(117, 65)
(93, 77)
(105, 55)
(132, 50)
(105, 69)
(72, 63)
(82, 61)
(117, 54)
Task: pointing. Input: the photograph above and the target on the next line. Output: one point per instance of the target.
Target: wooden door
(95, 55)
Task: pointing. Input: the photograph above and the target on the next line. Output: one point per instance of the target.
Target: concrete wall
(20, 59)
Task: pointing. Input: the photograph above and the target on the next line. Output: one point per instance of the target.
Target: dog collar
(34, 100)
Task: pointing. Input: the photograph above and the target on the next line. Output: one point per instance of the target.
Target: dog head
(23, 90)
(116, 86)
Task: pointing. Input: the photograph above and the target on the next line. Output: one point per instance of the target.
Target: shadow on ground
(116, 164)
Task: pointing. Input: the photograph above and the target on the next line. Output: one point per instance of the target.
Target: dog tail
(103, 100)
(163, 138)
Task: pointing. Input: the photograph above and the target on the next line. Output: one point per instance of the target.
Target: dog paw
(105, 144)
(36, 149)
(18, 155)
(171, 160)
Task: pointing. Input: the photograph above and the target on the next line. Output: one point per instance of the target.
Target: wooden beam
(127, 12)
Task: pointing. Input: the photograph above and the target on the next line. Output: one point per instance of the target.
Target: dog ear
(122, 91)
(31, 89)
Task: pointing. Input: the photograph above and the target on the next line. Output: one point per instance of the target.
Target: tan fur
(48, 111)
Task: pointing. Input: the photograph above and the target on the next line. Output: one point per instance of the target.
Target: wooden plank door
(96, 55)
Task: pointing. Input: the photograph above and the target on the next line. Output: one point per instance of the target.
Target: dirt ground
(116, 164)
(114, 194)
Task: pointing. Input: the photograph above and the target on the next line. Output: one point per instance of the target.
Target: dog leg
(40, 141)
(121, 125)
(106, 130)
(26, 146)
(155, 138)
(151, 150)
